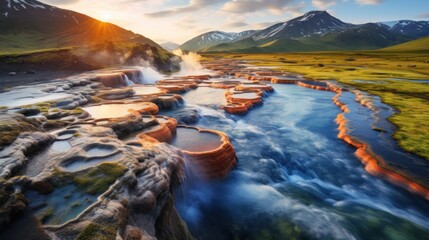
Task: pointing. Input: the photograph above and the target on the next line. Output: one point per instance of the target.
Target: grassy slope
(101, 55)
(420, 45)
(410, 98)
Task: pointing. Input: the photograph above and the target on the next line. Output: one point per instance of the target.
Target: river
(295, 179)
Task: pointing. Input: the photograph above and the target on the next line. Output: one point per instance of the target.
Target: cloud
(369, 2)
(60, 2)
(263, 25)
(423, 16)
(186, 25)
(323, 4)
(237, 24)
(194, 5)
(248, 6)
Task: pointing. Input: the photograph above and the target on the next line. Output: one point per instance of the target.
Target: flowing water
(295, 178)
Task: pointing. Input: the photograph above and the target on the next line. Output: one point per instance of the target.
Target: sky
(180, 20)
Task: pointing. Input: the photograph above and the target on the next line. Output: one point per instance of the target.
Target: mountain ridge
(31, 24)
(320, 31)
(35, 34)
(208, 39)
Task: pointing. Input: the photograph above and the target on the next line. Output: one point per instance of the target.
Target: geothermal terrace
(108, 145)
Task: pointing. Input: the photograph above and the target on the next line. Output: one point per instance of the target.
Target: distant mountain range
(313, 31)
(213, 38)
(170, 46)
(30, 24)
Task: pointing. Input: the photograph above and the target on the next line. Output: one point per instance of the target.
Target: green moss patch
(99, 179)
(98, 231)
(11, 127)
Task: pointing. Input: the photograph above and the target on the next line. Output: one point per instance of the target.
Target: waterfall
(150, 75)
(128, 82)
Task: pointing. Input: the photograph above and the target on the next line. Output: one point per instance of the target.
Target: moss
(98, 231)
(46, 214)
(99, 179)
(76, 134)
(76, 111)
(54, 124)
(11, 127)
(42, 106)
(75, 204)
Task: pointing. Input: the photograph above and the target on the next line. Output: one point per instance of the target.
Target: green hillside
(421, 44)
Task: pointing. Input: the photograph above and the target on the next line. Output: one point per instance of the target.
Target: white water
(127, 80)
(150, 75)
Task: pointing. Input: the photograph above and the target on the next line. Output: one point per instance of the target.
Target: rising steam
(190, 64)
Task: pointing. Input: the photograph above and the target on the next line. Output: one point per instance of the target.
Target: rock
(30, 72)
(13, 205)
(64, 102)
(236, 108)
(115, 94)
(11, 74)
(213, 163)
(113, 80)
(14, 156)
(135, 204)
(187, 116)
(124, 125)
(11, 125)
(40, 186)
(133, 233)
(145, 203)
(28, 111)
(159, 132)
(168, 101)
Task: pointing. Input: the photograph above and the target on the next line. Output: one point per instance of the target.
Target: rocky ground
(88, 157)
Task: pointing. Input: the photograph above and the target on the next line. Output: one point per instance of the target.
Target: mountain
(309, 24)
(419, 45)
(30, 24)
(32, 32)
(209, 39)
(170, 46)
(414, 29)
(320, 31)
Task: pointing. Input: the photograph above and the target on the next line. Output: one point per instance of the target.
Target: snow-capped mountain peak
(311, 23)
(407, 27)
(212, 38)
(10, 6)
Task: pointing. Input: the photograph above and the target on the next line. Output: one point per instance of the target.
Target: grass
(98, 231)
(99, 179)
(416, 45)
(371, 71)
(96, 56)
(42, 106)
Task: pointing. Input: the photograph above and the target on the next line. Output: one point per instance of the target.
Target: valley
(271, 120)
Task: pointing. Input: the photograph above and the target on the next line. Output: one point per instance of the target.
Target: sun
(105, 16)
